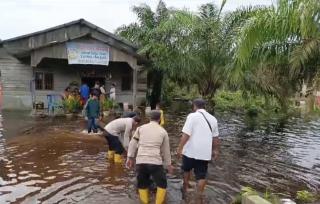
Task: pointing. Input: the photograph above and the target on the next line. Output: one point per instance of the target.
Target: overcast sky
(18, 17)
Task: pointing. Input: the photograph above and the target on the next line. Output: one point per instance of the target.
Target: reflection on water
(54, 163)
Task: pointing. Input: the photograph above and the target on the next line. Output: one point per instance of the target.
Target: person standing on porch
(96, 89)
(198, 145)
(103, 93)
(151, 142)
(84, 92)
(96, 85)
(113, 92)
(66, 93)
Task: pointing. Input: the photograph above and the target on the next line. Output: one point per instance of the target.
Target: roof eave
(81, 21)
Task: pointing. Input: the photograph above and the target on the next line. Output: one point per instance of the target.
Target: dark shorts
(114, 143)
(200, 167)
(147, 171)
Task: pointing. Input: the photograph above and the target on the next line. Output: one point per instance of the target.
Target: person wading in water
(152, 143)
(198, 145)
(93, 113)
(114, 130)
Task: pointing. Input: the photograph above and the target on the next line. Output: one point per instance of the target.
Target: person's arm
(126, 136)
(184, 139)
(186, 134)
(216, 148)
(165, 152)
(132, 149)
(87, 108)
(98, 109)
(215, 142)
(133, 145)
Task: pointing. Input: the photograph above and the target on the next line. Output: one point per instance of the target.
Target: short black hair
(137, 119)
(199, 103)
(155, 115)
(130, 115)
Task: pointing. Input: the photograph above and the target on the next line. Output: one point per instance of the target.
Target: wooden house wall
(15, 78)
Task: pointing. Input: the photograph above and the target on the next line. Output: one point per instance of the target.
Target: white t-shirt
(103, 91)
(199, 145)
(122, 128)
(113, 93)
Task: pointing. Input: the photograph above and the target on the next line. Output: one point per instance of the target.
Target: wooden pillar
(135, 84)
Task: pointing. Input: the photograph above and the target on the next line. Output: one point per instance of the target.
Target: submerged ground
(51, 161)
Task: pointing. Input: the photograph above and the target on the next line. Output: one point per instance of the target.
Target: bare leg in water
(186, 179)
(200, 189)
(201, 185)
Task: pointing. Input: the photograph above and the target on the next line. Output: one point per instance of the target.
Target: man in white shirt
(198, 145)
(115, 129)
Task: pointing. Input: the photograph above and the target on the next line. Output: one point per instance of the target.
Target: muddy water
(51, 161)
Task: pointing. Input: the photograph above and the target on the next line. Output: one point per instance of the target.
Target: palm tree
(141, 33)
(189, 48)
(198, 48)
(278, 48)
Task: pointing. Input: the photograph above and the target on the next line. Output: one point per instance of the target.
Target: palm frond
(209, 11)
(303, 54)
(162, 12)
(145, 15)
(223, 3)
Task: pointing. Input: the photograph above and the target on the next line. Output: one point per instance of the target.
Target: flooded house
(44, 63)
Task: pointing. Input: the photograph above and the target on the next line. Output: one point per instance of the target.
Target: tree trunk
(155, 78)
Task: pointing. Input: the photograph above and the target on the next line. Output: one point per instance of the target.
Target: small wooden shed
(45, 62)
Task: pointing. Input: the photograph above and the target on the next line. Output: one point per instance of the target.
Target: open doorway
(90, 81)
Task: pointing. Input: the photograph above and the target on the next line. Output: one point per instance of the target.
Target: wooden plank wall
(15, 77)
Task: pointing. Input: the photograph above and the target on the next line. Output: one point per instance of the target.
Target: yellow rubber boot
(111, 155)
(117, 158)
(161, 195)
(144, 196)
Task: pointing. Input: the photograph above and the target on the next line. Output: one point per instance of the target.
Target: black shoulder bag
(206, 120)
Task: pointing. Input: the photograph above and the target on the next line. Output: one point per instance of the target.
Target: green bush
(244, 191)
(72, 104)
(268, 195)
(302, 197)
(226, 100)
(172, 90)
(251, 104)
(305, 197)
(271, 197)
(107, 105)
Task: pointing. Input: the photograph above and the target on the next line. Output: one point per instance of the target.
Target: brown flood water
(51, 161)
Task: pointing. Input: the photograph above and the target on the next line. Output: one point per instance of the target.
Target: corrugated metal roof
(80, 21)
